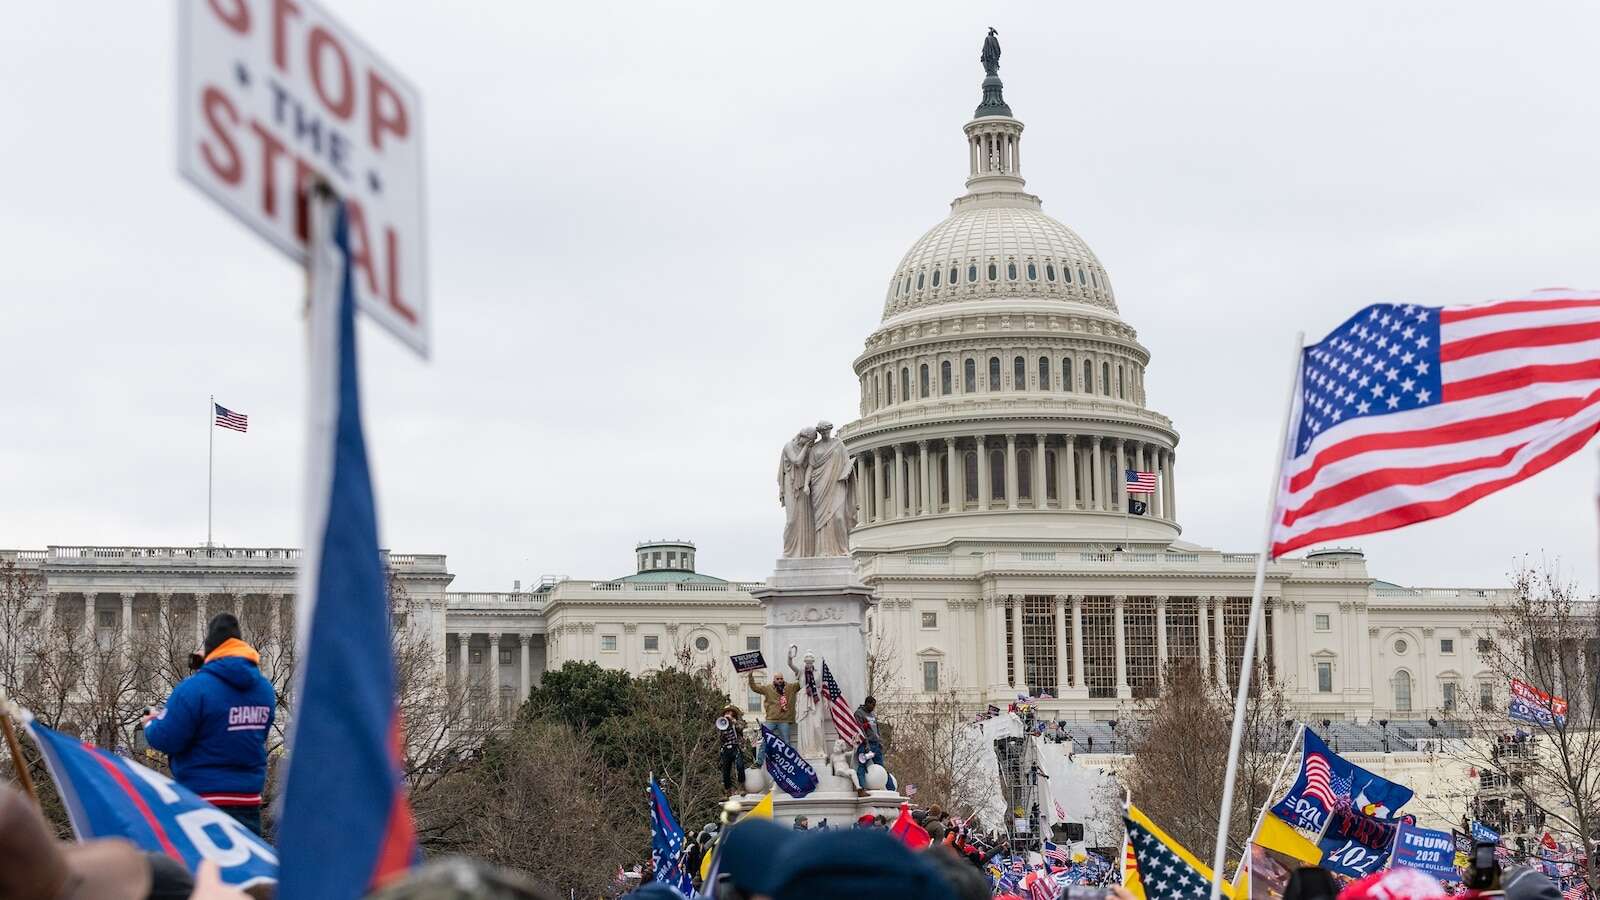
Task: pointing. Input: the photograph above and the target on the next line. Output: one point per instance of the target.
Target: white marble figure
(830, 480)
(799, 535)
(808, 718)
(841, 762)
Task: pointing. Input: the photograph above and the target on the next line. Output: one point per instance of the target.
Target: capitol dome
(998, 251)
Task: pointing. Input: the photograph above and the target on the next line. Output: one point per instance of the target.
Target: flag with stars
(1407, 413)
(1166, 870)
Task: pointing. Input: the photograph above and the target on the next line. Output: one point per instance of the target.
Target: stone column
(1261, 640)
(1219, 638)
(1077, 641)
(985, 493)
(877, 484)
(1011, 471)
(127, 622)
(201, 616)
(1069, 489)
(861, 490)
(994, 641)
(897, 483)
(1019, 669)
(957, 490)
(1158, 506)
(1161, 639)
(524, 650)
(1120, 481)
(1041, 483)
(1201, 605)
(929, 505)
(1120, 601)
(47, 615)
(163, 621)
(1098, 499)
(494, 669)
(1172, 485)
(1063, 681)
(463, 649)
(90, 626)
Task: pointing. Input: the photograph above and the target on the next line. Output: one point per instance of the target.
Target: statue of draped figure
(830, 480)
(799, 535)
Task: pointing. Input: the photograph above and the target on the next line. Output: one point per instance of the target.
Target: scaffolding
(1019, 786)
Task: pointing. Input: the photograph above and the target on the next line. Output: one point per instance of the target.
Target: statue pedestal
(819, 605)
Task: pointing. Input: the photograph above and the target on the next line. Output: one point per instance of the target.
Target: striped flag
(844, 718)
(1141, 482)
(346, 824)
(1407, 413)
(1055, 853)
(227, 418)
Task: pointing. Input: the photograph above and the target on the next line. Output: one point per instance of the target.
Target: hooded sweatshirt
(214, 727)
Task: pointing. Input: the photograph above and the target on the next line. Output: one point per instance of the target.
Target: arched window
(972, 273)
(1105, 379)
(1024, 474)
(1066, 373)
(994, 272)
(953, 273)
(1044, 373)
(944, 378)
(1049, 271)
(969, 477)
(1033, 272)
(923, 382)
(1088, 376)
(997, 474)
(969, 376)
(905, 384)
(919, 281)
(906, 285)
(1019, 374)
(1402, 691)
(890, 382)
(877, 392)
(1066, 274)
(1052, 490)
(1011, 271)
(1121, 387)
(1081, 279)
(994, 373)
(1095, 277)
(935, 277)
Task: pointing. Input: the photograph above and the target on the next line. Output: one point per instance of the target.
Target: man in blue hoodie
(214, 727)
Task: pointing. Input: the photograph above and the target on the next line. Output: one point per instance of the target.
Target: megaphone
(722, 723)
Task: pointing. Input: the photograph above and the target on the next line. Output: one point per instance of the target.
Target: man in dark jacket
(214, 727)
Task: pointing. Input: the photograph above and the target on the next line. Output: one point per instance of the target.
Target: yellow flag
(1279, 836)
(762, 810)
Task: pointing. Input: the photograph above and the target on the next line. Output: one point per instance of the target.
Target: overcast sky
(659, 236)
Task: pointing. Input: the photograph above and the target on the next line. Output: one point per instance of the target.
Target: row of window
(951, 276)
(884, 386)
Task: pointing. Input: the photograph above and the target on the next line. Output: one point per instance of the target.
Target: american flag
(1043, 887)
(1318, 780)
(1055, 853)
(227, 418)
(1407, 413)
(1577, 891)
(844, 718)
(1141, 482)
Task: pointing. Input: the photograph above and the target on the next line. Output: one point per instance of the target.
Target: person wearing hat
(730, 725)
(777, 707)
(214, 726)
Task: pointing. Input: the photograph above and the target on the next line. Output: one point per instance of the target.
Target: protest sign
(748, 662)
(1426, 850)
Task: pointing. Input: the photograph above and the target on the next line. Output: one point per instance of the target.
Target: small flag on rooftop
(1141, 482)
(227, 418)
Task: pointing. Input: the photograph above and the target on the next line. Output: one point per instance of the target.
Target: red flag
(908, 831)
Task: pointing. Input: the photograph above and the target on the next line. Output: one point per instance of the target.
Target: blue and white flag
(666, 842)
(346, 824)
(787, 767)
(1426, 850)
(1328, 781)
(1356, 845)
(1482, 832)
(112, 796)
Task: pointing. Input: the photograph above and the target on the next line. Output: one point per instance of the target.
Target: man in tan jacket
(777, 707)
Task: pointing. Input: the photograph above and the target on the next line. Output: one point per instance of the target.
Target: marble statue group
(816, 485)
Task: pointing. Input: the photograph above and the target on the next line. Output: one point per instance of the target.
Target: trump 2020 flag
(1407, 413)
(112, 796)
(789, 770)
(346, 824)
(666, 842)
(1328, 781)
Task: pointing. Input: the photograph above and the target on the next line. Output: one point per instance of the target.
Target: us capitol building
(1002, 397)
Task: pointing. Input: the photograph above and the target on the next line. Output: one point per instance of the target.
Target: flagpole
(211, 452)
(1272, 792)
(19, 763)
(1247, 664)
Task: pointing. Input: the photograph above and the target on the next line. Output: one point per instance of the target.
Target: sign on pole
(273, 93)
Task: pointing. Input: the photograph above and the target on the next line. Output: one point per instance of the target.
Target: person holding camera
(214, 726)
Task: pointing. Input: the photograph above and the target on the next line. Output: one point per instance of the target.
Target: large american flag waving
(844, 718)
(1407, 413)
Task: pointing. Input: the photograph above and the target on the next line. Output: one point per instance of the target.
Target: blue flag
(113, 796)
(1482, 832)
(1355, 844)
(666, 842)
(346, 825)
(1328, 781)
(787, 767)
(1426, 850)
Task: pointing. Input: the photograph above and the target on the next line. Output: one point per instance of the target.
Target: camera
(1483, 870)
(196, 660)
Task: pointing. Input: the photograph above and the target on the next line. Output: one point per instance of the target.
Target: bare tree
(933, 747)
(1177, 745)
(1542, 775)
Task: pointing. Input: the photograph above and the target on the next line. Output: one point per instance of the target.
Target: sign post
(274, 94)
